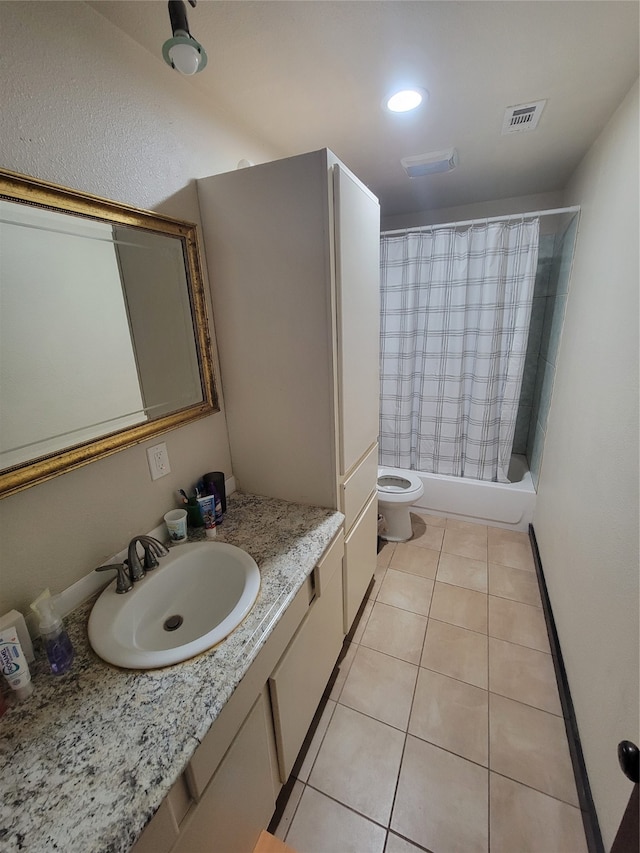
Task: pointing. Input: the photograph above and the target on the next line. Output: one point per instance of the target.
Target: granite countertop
(87, 760)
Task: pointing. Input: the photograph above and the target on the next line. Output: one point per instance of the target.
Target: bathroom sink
(196, 597)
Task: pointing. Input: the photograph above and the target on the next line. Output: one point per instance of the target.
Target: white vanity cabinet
(292, 250)
(228, 792)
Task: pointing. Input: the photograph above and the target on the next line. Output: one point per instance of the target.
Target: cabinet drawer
(358, 486)
(360, 549)
(299, 680)
(329, 564)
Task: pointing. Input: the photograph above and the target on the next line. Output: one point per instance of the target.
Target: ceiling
(307, 75)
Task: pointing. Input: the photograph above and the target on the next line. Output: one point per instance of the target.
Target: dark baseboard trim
(587, 807)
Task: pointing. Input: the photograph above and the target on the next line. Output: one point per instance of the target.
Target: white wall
(586, 519)
(84, 106)
(481, 210)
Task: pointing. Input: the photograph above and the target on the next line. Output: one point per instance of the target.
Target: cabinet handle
(629, 759)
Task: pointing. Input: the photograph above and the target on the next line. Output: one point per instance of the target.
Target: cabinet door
(162, 831)
(357, 222)
(299, 680)
(360, 549)
(239, 800)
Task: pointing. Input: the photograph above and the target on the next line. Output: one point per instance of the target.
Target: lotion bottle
(56, 640)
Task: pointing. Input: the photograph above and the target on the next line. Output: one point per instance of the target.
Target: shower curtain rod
(507, 218)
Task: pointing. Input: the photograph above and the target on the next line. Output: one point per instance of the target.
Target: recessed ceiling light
(405, 100)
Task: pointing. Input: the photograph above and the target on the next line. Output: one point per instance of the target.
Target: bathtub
(509, 505)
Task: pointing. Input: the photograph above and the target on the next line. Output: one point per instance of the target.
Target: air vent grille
(430, 164)
(522, 117)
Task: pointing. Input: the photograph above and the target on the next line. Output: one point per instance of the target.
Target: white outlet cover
(158, 461)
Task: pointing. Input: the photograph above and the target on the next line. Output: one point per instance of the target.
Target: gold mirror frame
(36, 193)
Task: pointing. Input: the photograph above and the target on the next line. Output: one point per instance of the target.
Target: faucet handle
(124, 581)
(153, 549)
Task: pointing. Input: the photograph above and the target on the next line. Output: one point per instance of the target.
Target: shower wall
(547, 316)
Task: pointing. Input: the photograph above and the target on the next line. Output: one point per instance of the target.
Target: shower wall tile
(566, 257)
(534, 452)
(528, 383)
(522, 430)
(536, 324)
(552, 329)
(554, 272)
(555, 257)
(543, 390)
(545, 266)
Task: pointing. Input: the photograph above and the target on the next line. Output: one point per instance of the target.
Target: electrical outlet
(158, 461)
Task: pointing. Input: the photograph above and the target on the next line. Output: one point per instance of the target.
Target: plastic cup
(176, 521)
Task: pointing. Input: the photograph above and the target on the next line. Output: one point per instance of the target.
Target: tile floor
(444, 730)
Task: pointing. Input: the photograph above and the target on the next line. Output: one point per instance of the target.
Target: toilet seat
(397, 486)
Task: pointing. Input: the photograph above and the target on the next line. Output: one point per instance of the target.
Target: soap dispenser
(56, 640)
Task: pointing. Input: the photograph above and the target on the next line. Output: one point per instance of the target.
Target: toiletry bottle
(216, 501)
(13, 664)
(56, 640)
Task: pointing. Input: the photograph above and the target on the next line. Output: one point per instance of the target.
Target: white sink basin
(211, 586)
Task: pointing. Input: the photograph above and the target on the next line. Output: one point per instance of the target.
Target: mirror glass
(103, 331)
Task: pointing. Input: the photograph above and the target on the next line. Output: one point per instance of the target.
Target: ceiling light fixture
(183, 52)
(405, 100)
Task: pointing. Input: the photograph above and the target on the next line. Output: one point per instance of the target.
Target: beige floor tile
(344, 666)
(457, 652)
(358, 763)
(530, 822)
(395, 844)
(395, 632)
(517, 623)
(415, 560)
(461, 571)
(523, 674)
(381, 687)
(378, 577)
(321, 825)
(530, 746)
(316, 741)
(510, 548)
(472, 526)
(410, 592)
(459, 606)
(496, 535)
(451, 714)
(289, 810)
(385, 554)
(516, 584)
(426, 534)
(442, 800)
(465, 542)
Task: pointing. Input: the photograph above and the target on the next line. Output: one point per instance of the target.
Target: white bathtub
(508, 505)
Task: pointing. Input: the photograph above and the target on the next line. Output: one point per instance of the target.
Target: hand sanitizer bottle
(56, 640)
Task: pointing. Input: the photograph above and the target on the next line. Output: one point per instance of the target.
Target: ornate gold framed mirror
(104, 339)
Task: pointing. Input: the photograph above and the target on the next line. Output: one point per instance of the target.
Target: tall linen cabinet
(292, 250)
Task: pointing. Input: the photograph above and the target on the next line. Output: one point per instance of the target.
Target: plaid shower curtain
(455, 317)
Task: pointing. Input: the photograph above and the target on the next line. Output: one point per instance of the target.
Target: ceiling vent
(522, 117)
(430, 164)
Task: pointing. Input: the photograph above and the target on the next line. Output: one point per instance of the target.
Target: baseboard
(587, 807)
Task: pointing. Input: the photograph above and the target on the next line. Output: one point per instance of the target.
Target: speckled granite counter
(88, 758)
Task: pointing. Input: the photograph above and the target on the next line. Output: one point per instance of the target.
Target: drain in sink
(173, 623)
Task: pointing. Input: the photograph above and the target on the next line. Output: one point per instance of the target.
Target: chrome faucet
(152, 550)
(124, 581)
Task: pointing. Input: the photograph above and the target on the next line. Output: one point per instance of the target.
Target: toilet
(397, 491)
